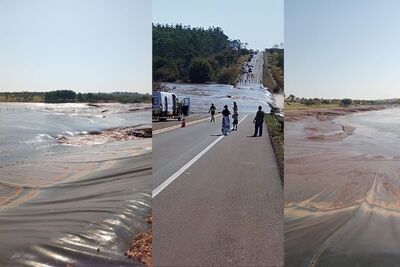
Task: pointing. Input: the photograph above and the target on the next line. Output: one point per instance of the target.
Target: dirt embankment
(141, 246)
(323, 114)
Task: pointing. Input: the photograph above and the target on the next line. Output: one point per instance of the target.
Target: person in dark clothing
(258, 122)
(235, 122)
(235, 107)
(212, 112)
(235, 117)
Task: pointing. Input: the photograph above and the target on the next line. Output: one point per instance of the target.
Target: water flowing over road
(78, 203)
(342, 190)
(248, 95)
(217, 200)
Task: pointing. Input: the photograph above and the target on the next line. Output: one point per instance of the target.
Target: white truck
(166, 106)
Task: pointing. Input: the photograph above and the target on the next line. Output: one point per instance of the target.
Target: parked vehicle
(167, 106)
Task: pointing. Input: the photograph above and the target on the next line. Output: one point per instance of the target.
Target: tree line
(342, 102)
(69, 96)
(195, 54)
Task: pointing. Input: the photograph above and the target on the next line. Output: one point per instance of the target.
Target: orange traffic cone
(183, 122)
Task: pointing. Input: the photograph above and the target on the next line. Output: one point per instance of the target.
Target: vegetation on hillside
(195, 54)
(68, 96)
(273, 73)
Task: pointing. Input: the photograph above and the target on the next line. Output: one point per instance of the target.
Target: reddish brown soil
(141, 247)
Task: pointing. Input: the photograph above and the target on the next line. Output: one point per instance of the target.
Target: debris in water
(101, 137)
(141, 247)
(149, 219)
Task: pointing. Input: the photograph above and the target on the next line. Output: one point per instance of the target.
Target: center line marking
(167, 182)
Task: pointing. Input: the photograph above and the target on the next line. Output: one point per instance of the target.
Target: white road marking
(187, 165)
(179, 126)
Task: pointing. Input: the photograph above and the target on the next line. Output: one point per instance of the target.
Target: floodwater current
(342, 190)
(72, 203)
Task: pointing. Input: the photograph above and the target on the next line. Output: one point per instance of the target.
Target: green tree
(79, 97)
(60, 96)
(200, 71)
(175, 47)
(346, 102)
(228, 75)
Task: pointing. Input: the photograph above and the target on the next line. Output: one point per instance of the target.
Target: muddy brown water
(71, 205)
(342, 190)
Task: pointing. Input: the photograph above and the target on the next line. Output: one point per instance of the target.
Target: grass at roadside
(277, 137)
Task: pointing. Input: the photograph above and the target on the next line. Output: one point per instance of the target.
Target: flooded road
(342, 190)
(248, 95)
(77, 203)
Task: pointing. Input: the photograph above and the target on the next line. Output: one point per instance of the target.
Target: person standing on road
(235, 117)
(212, 112)
(226, 126)
(235, 122)
(235, 108)
(258, 122)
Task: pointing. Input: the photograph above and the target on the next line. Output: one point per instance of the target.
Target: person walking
(212, 112)
(226, 127)
(258, 122)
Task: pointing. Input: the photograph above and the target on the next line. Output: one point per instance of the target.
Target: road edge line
(167, 129)
(178, 173)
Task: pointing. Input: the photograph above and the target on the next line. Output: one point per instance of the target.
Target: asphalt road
(226, 208)
(257, 61)
(159, 125)
(173, 149)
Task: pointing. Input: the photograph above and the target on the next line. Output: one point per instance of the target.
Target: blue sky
(337, 49)
(257, 22)
(84, 45)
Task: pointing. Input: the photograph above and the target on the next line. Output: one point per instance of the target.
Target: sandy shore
(322, 113)
(342, 205)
